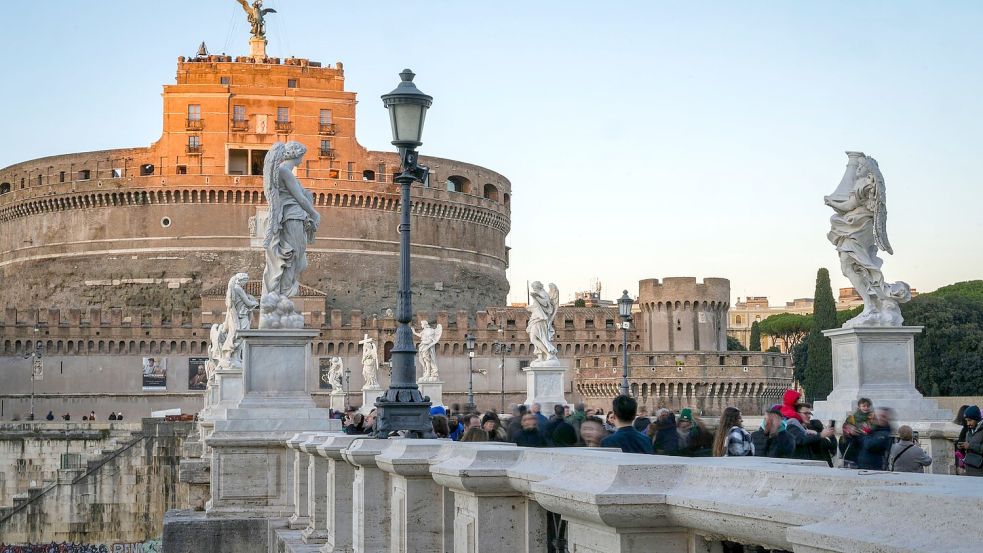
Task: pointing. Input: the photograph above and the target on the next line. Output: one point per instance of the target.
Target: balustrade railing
(452, 496)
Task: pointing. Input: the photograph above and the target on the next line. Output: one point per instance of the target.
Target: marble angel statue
(370, 363)
(293, 222)
(238, 307)
(335, 371)
(542, 310)
(427, 350)
(859, 231)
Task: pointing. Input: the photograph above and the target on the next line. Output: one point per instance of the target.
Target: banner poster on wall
(154, 374)
(197, 376)
(323, 368)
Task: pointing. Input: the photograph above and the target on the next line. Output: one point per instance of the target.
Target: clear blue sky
(642, 139)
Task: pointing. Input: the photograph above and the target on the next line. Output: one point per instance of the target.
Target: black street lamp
(624, 311)
(348, 382)
(403, 407)
(37, 367)
(469, 345)
(502, 348)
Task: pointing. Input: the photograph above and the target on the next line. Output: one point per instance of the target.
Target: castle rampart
(683, 315)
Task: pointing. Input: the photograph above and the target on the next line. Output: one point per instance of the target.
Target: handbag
(973, 459)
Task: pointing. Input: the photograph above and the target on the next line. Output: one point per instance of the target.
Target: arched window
(457, 183)
(491, 192)
(738, 320)
(368, 174)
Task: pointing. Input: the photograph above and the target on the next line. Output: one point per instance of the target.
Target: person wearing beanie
(772, 439)
(973, 444)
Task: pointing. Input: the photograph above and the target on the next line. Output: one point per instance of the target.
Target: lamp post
(624, 311)
(37, 366)
(348, 382)
(469, 345)
(501, 348)
(402, 407)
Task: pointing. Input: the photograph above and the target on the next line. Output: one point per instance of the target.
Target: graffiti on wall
(149, 546)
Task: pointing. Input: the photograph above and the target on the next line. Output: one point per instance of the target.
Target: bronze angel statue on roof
(542, 310)
(257, 17)
(859, 231)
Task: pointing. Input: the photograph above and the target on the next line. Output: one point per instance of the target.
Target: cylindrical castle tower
(682, 315)
(157, 226)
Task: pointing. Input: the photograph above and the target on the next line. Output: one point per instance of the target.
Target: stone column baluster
(299, 458)
(488, 514)
(370, 496)
(415, 499)
(315, 475)
(338, 498)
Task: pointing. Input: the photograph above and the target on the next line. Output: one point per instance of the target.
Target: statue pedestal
(434, 390)
(337, 400)
(545, 384)
(257, 48)
(876, 363)
(369, 396)
(251, 472)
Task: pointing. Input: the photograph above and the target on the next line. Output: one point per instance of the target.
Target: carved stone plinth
(545, 384)
(337, 400)
(252, 474)
(433, 390)
(368, 399)
(876, 363)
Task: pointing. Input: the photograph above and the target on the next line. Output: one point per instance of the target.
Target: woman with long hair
(731, 439)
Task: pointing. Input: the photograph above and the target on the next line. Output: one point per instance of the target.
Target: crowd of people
(113, 416)
(868, 439)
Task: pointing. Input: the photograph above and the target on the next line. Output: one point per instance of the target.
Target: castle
(115, 261)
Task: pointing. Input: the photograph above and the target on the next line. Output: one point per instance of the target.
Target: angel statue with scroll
(542, 310)
(427, 351)
(859, 231)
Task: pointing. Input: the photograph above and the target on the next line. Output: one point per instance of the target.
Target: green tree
(818, 376)
(949, 351)
(754, 342)
(972, 289)
(579, 302)
(800, 355)
(789, 328)
(733, 344)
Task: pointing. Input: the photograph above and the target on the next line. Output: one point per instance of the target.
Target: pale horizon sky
(642, 139)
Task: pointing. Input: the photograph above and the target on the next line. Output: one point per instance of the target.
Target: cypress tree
(754, 343)
(818, 377)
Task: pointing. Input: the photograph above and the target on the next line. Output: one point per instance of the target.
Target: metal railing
(284, 126)
(193, 124)
(326, 128)
(240, 124)
(193, 150)
(328, 153)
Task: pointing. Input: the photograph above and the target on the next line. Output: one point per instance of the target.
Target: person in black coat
(626, 438)
(876, 443)
(819, 444)
(560, 433)
(529, 435)
(665, 438)
(772, 440)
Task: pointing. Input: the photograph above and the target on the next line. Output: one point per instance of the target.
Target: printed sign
(154, 374)
(197, 375)
(323, 368)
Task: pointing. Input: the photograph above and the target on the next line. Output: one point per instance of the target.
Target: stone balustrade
(403, 495)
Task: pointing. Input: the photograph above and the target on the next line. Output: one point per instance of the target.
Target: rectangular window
(325, 117)
(282, 115)
(40, 180)
(325, 145)
(182, 169)
(382, 171)
(117, 173)
(238, 113)
(223, 80)
(589, 323)
(61, 176)
(84, 174)
(194, 142)
(609, 324)
(291, 83)
(351, 170)
(744, 360)
(194, 112)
